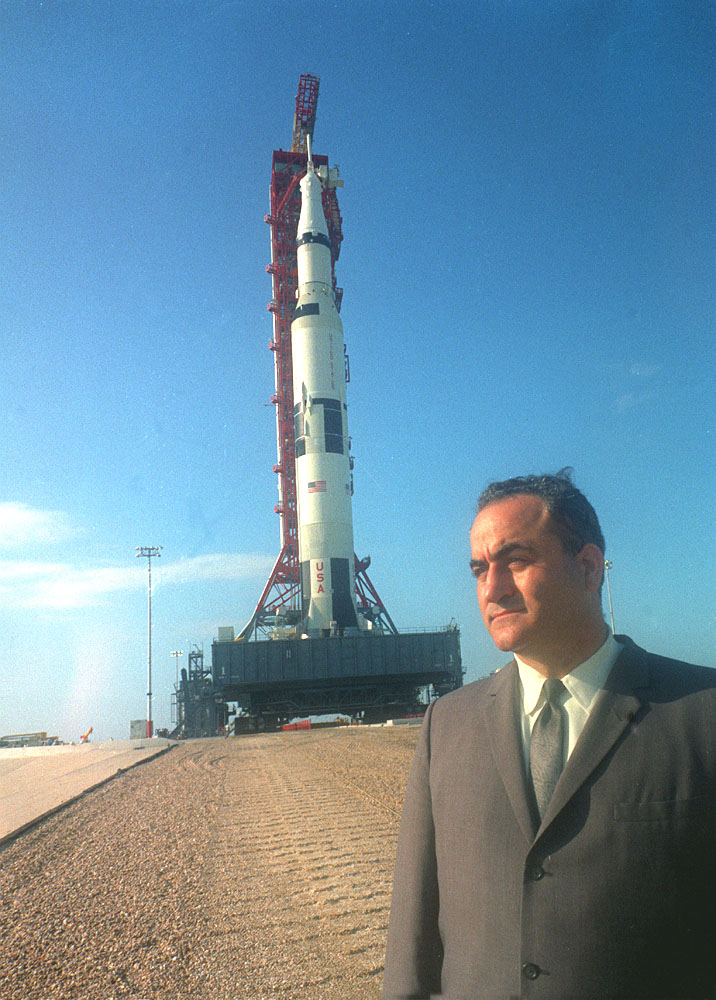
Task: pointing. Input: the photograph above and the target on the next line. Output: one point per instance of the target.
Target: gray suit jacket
(612, 896)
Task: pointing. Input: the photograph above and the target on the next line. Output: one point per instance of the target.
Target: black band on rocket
(314, 238)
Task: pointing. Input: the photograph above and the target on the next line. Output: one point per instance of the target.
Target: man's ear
(591, 559)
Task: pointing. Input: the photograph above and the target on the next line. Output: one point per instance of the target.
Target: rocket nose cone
(311, 218)
(310, 185)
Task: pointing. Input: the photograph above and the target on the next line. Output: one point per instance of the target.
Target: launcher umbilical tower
(280, 603)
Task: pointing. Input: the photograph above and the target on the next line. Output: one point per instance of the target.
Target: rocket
(323, 478)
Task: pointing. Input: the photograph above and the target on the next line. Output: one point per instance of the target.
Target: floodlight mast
(176, 654)
(147, 552)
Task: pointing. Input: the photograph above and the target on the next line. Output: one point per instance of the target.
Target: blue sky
(528, 267)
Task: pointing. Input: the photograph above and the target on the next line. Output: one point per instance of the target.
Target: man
(558, 838)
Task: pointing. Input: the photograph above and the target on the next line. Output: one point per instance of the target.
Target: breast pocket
(670, 810)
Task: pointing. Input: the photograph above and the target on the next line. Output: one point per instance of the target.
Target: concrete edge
(14, 834)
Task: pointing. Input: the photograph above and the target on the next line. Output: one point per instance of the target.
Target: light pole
(146, 552)
(607, 566)
(176, 654)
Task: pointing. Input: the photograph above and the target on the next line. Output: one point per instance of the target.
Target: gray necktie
(546, 745)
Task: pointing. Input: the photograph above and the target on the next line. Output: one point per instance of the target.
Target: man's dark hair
(575, 521)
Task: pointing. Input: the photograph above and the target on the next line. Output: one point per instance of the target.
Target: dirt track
(247, 868)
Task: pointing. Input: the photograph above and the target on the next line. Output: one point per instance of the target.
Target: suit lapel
(502, 723)
(614, 711)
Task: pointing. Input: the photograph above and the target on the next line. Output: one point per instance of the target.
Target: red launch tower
(280, 601)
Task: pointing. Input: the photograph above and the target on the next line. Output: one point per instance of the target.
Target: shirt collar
(583, 683)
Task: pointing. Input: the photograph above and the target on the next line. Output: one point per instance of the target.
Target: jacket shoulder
(469, 697)
(664, 675)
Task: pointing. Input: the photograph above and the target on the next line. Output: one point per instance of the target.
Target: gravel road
(251, 868)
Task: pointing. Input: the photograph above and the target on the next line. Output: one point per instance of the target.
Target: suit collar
(614, 712)
(584, 682)
(502, 721)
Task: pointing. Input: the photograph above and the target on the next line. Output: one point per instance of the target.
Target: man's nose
(497, 583)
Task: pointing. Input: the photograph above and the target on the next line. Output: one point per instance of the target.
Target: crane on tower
(304, 119)
(281, 597)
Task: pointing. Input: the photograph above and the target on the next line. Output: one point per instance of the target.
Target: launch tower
(280, 604)
(320, 640)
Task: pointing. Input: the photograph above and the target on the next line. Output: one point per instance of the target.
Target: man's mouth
(504, 613)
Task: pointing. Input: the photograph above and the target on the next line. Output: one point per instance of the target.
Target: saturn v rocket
(323, 478)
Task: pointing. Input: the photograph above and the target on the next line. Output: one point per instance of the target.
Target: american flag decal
(319, 486)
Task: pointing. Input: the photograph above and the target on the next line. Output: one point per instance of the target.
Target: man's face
(535, 598)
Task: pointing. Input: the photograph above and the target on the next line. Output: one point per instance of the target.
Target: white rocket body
(323, 479)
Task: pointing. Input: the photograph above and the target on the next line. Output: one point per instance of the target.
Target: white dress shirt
(583, 685)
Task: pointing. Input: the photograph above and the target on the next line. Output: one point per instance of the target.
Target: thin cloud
(645, 371)
(219, 566)
(81, 588)
(60, 585)
(63, 586)
(630, 400)
(12, 572)
(21, 524)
